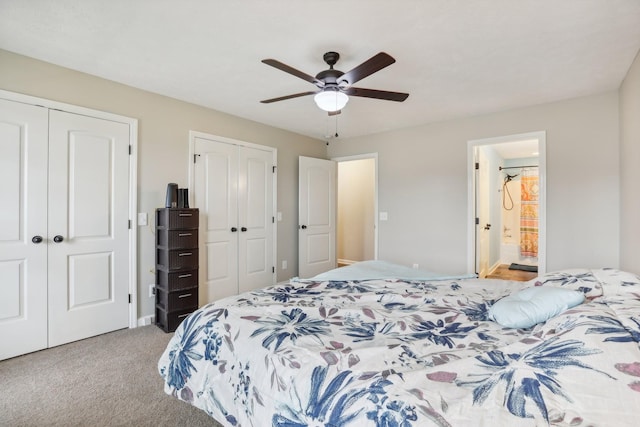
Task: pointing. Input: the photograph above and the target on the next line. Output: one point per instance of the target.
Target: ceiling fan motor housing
(330, 77)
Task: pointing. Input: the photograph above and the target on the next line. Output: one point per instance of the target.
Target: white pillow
(533, 305)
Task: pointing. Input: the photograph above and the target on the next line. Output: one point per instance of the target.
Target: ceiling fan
(334, 86)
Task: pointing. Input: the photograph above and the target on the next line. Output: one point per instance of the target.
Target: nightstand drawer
(177, 259)
(178, 300)
(177, 239)
(172, 281)
(169, 321)
(177, 218)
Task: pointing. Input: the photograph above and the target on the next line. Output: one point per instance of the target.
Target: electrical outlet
(416, 266)
(147, 320)
(284, 264)
(152, 290)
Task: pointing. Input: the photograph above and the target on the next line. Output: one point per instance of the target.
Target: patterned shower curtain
(529, 212)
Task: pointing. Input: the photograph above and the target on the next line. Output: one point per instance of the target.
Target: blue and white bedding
(411, 353)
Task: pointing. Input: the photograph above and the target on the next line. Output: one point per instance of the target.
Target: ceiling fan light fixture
(331, 100)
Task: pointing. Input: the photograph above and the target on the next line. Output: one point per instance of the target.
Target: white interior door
(483, 225)
(23, 217)
(255, 218)
(316, 216)
(216, 195)
(88, 237)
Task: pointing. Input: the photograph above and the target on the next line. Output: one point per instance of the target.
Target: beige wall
(423, 179)
(163, 132)
(630, 169)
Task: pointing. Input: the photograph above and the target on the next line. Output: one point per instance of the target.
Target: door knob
(243, 229)
(58, 238)
(233, 229)
(37, 239)
(304, 227)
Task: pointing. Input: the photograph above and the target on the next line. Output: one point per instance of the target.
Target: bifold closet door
(23, 228)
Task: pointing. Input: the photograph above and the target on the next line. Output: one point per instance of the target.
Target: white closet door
(88, 209)
(23, 216)
(317, 216)
(255, 217)
(216, 195)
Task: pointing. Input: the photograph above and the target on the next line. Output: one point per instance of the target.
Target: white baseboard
(346, 262)
(146, 320)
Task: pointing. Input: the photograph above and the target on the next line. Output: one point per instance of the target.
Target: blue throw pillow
(533, 305)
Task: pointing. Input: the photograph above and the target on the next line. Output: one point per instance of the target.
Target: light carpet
(109, 380)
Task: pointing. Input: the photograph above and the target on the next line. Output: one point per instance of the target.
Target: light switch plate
(143, 218)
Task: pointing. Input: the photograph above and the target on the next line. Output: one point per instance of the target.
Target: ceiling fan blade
(287, 69)
(368, 67)
(378, 94)
(282, 98)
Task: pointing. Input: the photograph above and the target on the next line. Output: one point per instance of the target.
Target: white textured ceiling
(456, 58)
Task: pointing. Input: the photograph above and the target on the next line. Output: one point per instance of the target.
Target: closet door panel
(216, 196)
(88, 226)
(255, 183)
(90, 183)
(23, 217)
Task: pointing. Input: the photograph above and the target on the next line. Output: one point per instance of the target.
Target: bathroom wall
(510, 219)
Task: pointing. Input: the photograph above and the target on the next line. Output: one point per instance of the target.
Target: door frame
(541, 136)
(133, 179)
(373, 156)
(193, 134)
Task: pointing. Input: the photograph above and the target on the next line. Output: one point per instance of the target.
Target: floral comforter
(411, 353)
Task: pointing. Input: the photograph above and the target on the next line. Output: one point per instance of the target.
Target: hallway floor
(503, 272)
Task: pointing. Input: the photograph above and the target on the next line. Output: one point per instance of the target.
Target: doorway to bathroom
(507, 206)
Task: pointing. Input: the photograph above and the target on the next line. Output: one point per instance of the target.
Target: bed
(392, 349)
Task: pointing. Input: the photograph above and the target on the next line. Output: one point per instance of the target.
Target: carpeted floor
(109, 380)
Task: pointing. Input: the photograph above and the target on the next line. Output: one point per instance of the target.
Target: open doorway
(507, 205)
(356, 219)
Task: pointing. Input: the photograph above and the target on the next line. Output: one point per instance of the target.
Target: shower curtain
(529, 212)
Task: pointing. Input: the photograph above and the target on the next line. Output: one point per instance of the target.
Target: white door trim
(133, 176)
(373, 156)
(541, 136)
